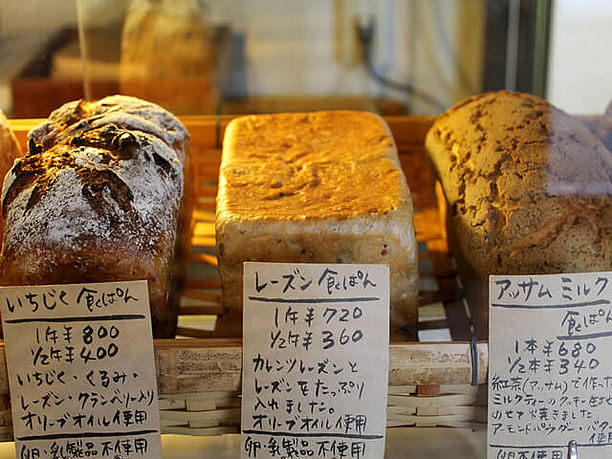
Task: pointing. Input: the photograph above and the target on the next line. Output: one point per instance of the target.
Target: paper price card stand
(315, 360)
(81, 370)
(550, 366)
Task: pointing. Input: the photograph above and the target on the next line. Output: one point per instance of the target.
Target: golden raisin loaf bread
(97, 198)
(9, 151)
(528, 188)
(323, 187)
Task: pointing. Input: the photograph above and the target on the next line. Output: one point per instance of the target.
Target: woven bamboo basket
(434, 384)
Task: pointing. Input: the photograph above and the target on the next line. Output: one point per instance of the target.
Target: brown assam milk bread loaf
(322, 187)
(9, 151)
(528, 190)
(97, 198)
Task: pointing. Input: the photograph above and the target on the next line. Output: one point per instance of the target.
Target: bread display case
(501, 179)
(199, 378)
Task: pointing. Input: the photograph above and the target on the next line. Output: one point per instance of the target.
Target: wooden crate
(199, 377)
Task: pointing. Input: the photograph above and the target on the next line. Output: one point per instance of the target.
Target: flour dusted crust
(528, 187)
(315, 187)
(9, 151)
(97, 198)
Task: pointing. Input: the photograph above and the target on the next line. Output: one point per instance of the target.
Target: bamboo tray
(199, 377)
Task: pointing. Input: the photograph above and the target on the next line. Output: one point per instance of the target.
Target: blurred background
(252, 56)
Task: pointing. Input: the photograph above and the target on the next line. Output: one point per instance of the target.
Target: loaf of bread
(181, 74)
(323, 187)
(9, 151)
(97, 199)
(528, 188)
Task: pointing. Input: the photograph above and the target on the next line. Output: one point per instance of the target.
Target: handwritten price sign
(550, 365)
(81, 386)
(316, 359)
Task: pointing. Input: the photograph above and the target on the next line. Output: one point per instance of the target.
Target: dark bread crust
(97, 198)
(528, 187)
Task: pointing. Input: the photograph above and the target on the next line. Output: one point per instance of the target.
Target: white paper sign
(315, 360)
(550, 366)
(81, 370)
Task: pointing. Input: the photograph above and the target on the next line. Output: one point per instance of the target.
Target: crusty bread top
(529, 187)
(293, 166)
(519, 138)
(131, 113)
(97, 175)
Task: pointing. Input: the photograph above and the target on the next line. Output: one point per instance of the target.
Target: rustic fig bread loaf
(97, 198)
(528, 189)
(314, 187)
(9, 151)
